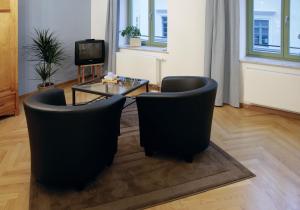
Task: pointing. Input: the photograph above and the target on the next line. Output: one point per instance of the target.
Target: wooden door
(8, 57)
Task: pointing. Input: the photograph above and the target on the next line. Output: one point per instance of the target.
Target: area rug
(135, 181)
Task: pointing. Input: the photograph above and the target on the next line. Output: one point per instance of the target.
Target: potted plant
(48, 54)
(133, 34)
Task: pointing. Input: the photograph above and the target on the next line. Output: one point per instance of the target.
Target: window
(151, 17)
(274, 29)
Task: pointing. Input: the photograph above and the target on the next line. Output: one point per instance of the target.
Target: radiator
(139, 66)
(270, 86)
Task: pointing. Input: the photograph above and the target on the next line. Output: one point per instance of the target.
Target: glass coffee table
(124, 86)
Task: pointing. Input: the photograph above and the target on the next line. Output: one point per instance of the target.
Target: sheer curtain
(112, 34)
(222, 47)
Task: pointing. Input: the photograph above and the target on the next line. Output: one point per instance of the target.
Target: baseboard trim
(268, 110)
(59, 85)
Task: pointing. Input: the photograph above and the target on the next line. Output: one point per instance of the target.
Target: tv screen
(89, 51)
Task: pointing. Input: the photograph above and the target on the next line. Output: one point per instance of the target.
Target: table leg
(93, 72)
(83, 74)
(73, 97)
(98, 71)
(78, 75)
(147, 87)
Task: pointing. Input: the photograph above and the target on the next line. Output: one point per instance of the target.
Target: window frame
(285, 34)
(151, 21)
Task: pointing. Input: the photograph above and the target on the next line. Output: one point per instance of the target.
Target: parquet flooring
(269, 145)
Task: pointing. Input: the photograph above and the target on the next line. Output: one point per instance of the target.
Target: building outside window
(151, 17)
(261, 32)
(164, 20)
(274, 29)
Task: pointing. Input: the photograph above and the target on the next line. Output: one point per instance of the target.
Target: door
(8, 56)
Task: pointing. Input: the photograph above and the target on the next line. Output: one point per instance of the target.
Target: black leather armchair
(70, 145)
(177, 120)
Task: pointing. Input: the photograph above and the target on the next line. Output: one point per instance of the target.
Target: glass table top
(124, 86)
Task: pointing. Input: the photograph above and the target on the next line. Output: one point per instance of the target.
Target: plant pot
(48, 86)
(135, 42)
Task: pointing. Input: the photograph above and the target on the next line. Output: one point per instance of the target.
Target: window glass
(261, 33)
(294, 40)
(160, 21)
(267, 26)
(139, 17)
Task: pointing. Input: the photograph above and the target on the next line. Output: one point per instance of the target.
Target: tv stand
(96, 69)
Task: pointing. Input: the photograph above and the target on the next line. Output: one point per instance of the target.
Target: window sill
(146, 48)
(271, 62)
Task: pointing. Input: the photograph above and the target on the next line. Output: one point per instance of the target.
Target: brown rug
(136, 182)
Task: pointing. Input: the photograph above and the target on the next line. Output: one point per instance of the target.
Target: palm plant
(47, 51)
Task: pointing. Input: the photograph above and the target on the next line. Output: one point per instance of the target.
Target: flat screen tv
(89, 51)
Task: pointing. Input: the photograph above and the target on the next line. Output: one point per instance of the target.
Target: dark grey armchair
(178, 120)
(70, 145)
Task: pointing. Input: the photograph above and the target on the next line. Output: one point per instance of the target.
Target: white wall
(70, 20)
(143, 65)
(265, 85)
(186, 37)
(98, 18)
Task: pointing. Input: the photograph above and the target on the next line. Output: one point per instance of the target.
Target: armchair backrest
(182, 84)
(55, 97)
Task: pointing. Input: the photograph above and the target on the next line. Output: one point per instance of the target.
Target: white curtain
(222, 49)
(112, 34)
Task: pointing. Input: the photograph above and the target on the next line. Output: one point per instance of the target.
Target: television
(89, 51)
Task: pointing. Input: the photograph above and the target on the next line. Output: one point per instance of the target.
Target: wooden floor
(269, 145)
